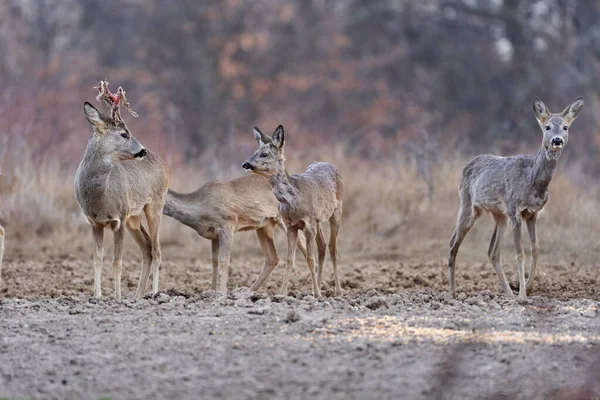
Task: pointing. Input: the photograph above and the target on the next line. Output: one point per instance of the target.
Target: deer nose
(557, 142)
(141, 153)
(247, 166)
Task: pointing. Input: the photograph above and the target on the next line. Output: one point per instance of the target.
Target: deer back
(249, 200)
(320, 190)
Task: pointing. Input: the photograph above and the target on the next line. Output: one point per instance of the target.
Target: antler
(113, 101)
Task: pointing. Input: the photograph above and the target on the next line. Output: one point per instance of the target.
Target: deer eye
(547, 127)
(264, 155)
(125, 135)
(565, 128)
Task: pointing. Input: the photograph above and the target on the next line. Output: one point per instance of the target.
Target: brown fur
(116, 183)
(305, 201)
(219, 209)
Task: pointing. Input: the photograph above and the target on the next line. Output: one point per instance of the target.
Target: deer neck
(93, 181)
(96, 166)
(283, 189)
(544, 165)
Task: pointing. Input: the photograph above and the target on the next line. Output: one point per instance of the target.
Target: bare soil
(394, 334)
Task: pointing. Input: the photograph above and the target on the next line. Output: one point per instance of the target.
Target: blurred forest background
(383, 83)
(380, 75)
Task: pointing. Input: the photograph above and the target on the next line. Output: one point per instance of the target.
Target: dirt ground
(395, 334)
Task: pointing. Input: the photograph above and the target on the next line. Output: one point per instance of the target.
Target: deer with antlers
(116, 183)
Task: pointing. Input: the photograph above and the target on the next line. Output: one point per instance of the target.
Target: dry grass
(389, 212)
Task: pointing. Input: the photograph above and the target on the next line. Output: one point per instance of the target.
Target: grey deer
(116, 183)
(512, 189)
(305, 201)
(219, 209)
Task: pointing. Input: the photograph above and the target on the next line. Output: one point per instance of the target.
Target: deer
(117, 182)
(512, 189)
(305, 201)
(217, 210)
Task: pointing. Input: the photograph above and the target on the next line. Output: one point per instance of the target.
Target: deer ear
(572, 111)
(278, 137)
(540, 110)
(95, 117)
(260, 137)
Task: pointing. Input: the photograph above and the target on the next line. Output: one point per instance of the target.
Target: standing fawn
(117, 181)
(305, 200)
(219, 209)
(515, 189)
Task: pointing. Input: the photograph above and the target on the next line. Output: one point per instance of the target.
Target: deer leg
(494, 252)
(334, 227)
(301, 239)
(292, 239)
(267, 244)
(302, 244)
(321, 249)
(531, 228)
(515, 221)
(493, 241)
(214, 252)
(309, 232)
(148, 281)
(466, 218)
(139, 234)
(98, 231)
(154, 218)
(225, 242)
(118, 238)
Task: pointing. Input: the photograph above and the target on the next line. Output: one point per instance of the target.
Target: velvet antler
(113, 101)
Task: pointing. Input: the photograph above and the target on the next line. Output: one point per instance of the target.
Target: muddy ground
(394, 334)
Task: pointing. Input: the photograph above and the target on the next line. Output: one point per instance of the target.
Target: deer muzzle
(141, 154)
(247, 166)
(557, 143)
